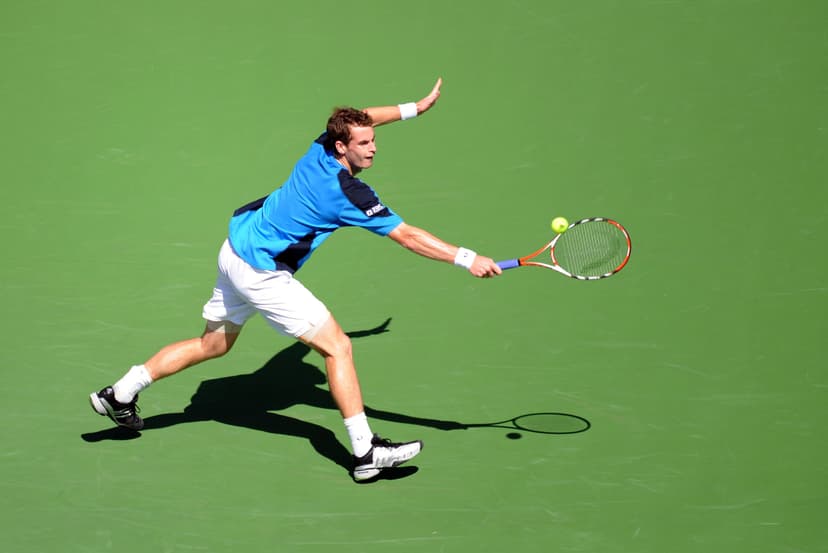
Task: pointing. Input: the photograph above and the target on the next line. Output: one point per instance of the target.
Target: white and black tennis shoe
(384, 454)
(123, 414)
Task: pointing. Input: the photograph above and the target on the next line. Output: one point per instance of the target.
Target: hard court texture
(132, 130)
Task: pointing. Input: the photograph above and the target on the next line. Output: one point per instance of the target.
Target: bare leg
(335, 347)
(372, 454)
(180, 355)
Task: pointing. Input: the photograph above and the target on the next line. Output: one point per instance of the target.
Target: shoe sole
(97, 405)
(361, 475)
(367, 474)
(102, 408)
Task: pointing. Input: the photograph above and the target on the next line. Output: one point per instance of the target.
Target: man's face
(359, 152)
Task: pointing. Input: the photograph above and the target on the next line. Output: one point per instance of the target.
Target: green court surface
(131, 130)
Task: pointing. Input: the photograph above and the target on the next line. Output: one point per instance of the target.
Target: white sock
(360, 434)
(135, 380)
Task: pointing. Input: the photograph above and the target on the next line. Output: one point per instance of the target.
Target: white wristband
(464, 258)
(408, 111)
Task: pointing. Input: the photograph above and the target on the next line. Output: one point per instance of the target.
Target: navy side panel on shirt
(252, 206)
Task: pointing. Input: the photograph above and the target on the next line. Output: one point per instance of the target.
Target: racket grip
(508, 264)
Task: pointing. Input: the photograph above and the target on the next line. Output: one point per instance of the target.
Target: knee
(216, 344)
(337, 346)
(330, 341)
(342, 346)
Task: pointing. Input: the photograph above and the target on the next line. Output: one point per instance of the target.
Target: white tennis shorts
(282, 300)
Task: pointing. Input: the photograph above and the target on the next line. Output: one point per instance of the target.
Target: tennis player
(269, 240)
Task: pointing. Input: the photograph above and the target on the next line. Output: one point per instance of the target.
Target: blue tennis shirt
(282, 230)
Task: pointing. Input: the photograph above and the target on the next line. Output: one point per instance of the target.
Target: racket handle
(508, 264)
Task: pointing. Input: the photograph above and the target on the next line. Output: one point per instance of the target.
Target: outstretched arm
(426, 244)
(388, 114)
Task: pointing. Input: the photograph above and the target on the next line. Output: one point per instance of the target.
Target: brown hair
(340, 123)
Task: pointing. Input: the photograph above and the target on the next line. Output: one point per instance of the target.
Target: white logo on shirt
(374, 210)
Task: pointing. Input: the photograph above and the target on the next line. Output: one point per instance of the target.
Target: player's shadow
(249, 401)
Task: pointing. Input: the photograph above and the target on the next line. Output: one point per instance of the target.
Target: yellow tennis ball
(560, 224)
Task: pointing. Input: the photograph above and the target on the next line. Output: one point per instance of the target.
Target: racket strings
(593, 248)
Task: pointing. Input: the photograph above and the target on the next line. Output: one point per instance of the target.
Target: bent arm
(382, 115)
(427, 245)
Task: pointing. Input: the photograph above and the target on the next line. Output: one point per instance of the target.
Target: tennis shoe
(384, 454)
(123, 414)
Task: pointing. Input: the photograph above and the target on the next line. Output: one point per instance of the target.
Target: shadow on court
(249, 401)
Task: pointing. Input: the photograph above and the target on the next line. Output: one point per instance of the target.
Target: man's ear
(340, 147)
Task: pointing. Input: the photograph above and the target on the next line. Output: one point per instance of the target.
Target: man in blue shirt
(269, 240)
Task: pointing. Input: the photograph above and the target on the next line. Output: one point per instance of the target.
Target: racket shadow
(542, 423)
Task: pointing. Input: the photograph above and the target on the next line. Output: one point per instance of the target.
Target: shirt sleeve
(364, 209)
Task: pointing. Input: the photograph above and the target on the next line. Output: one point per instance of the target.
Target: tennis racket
(589, 249)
